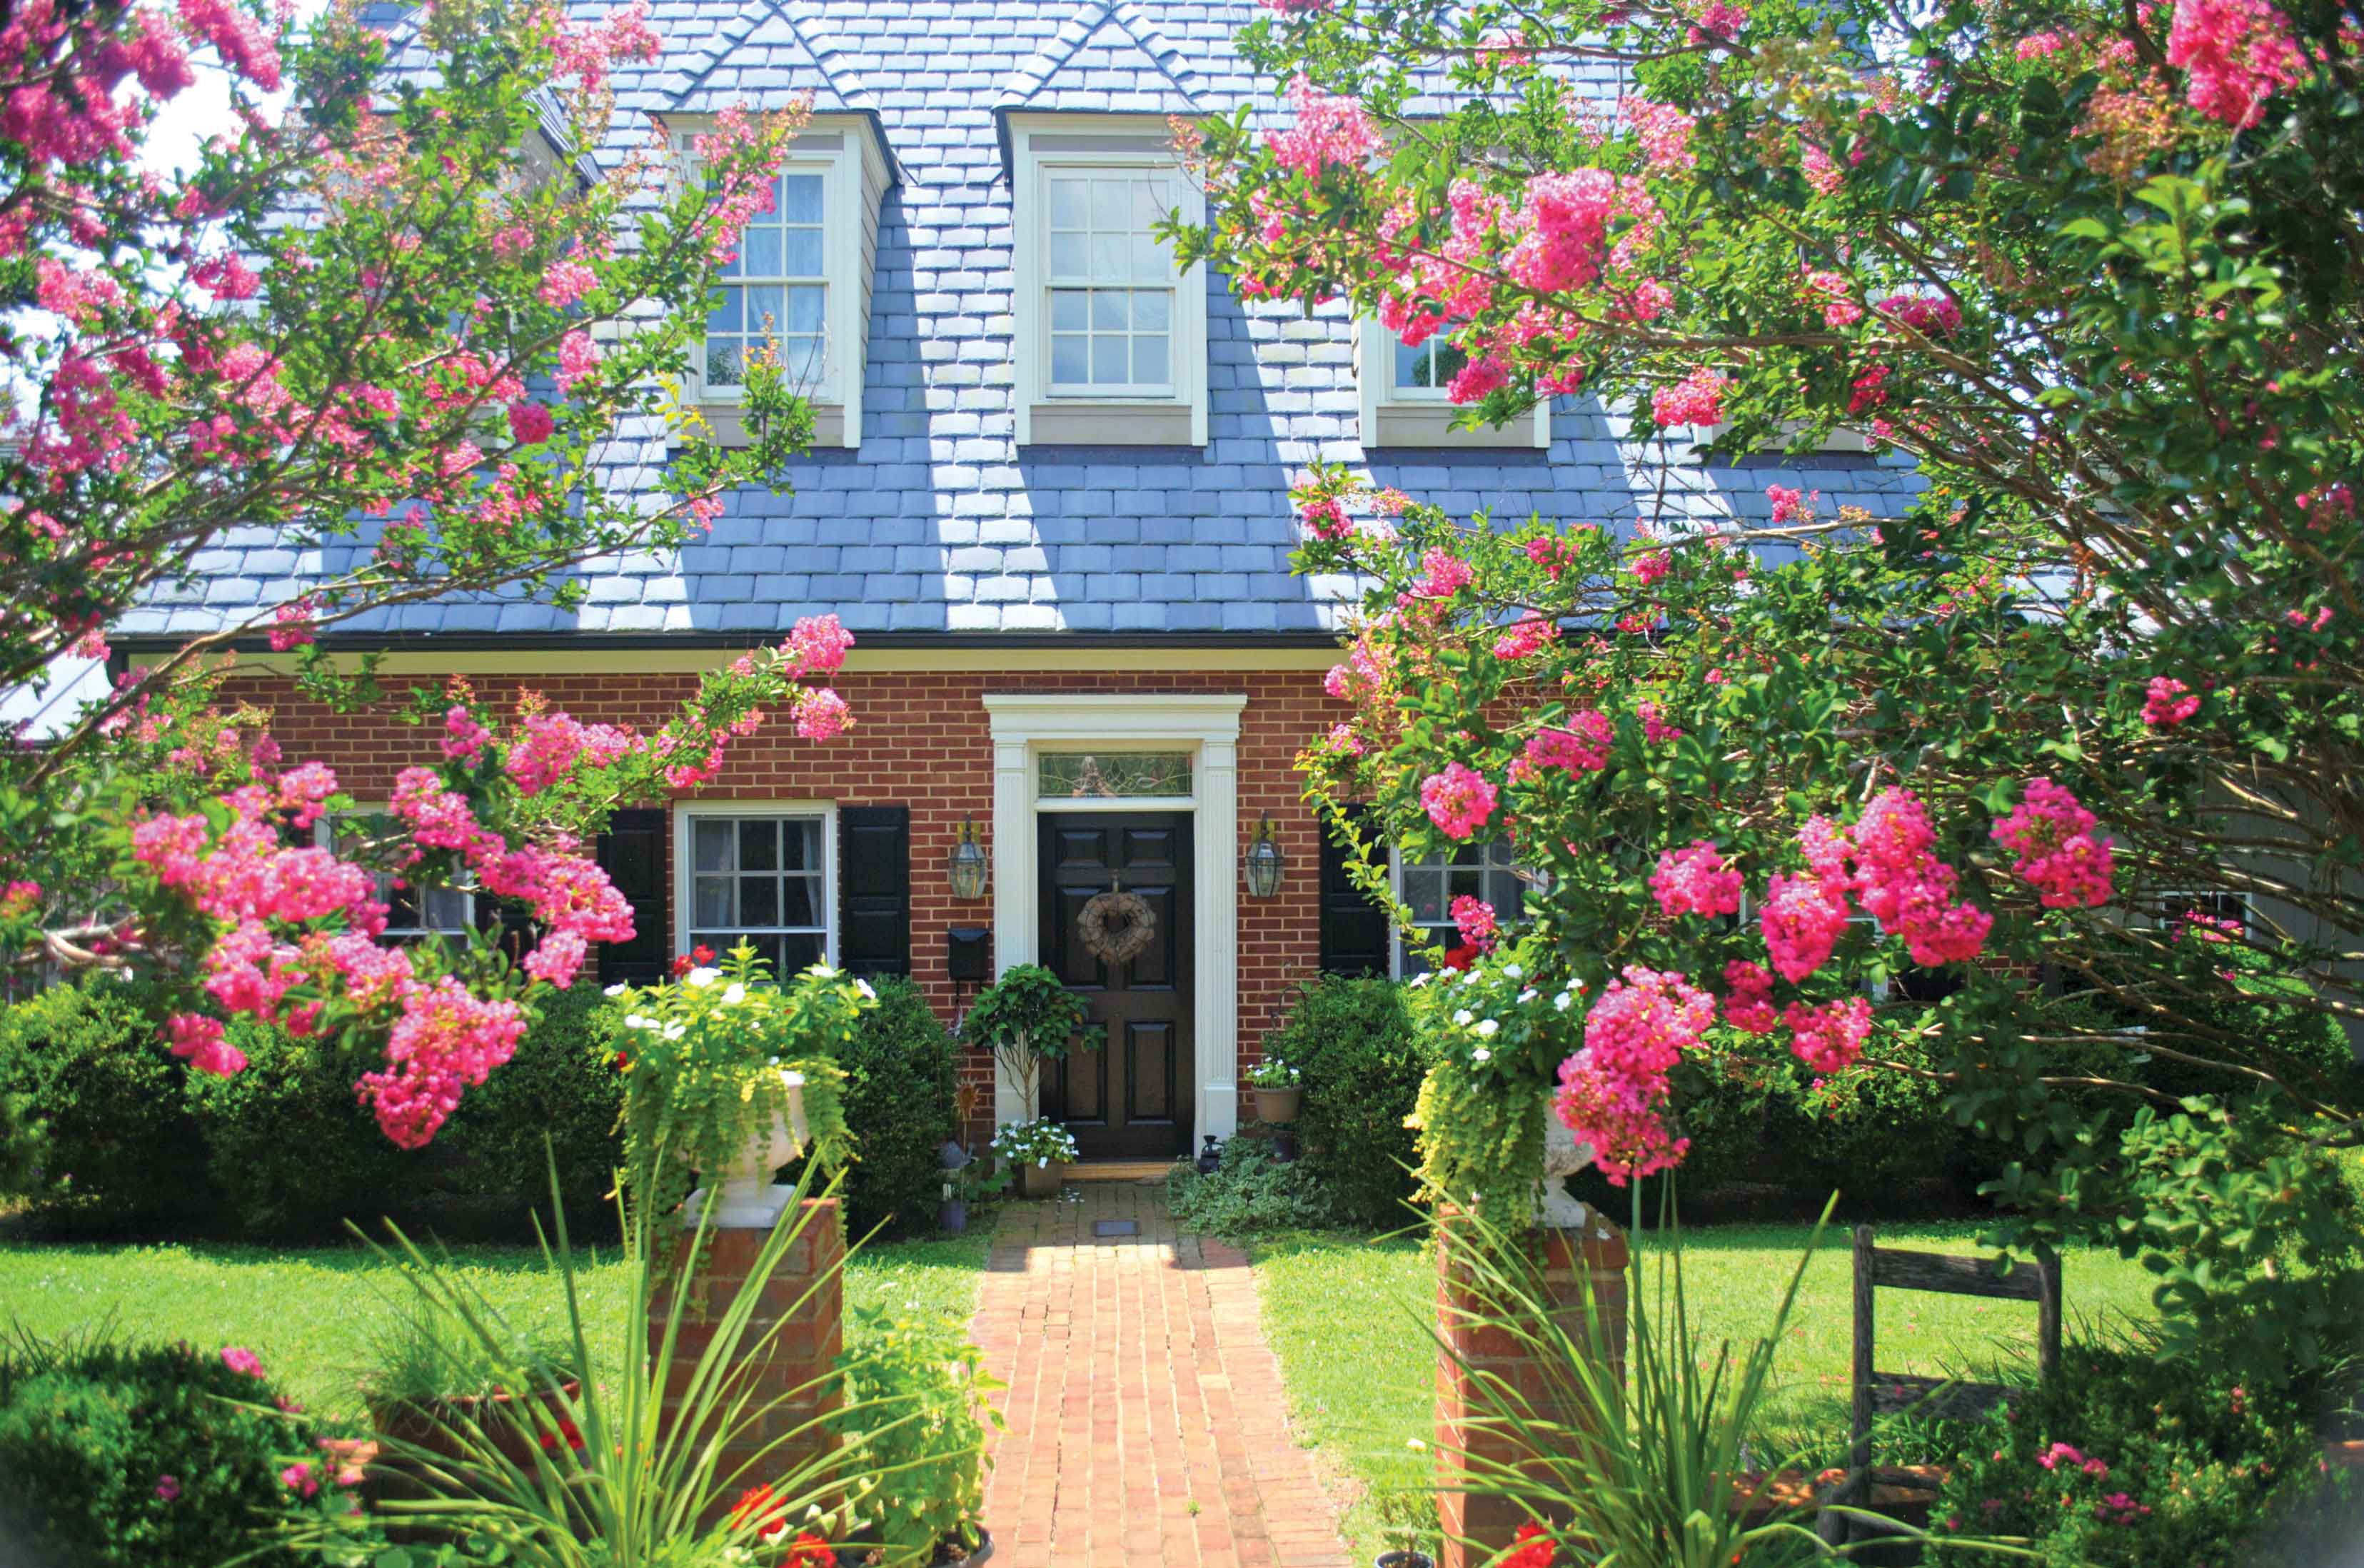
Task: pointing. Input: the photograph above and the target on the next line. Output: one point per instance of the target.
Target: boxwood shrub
(1353, 1041)
(900, 1072)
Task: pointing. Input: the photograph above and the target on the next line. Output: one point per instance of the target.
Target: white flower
(1563, 1001)
(1422, 979)
(1512, 972)
(1481, 1055)
(1489, 1029)
(733, 994)
(1468, 975)
(1527, 995)
(701, 977)
(640, 1021)
(674, 1032)
(867, 993)
(617, 989)
(1043, 1164)
(1464, 1017)
(823, 969)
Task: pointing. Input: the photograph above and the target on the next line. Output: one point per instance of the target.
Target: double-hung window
(775, 291)
(1405, 394)
(412, 912)
(1111, 334)
(765, 875)
(1428, 887)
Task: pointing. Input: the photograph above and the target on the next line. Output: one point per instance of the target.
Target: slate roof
(940, 524)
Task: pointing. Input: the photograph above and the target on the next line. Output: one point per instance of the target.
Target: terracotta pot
(1279, 1106)
(428, 1423)
(1041, 1181)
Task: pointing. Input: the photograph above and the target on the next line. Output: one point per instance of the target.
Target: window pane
(1410, 363)
(723, 358)
(760, 253)
(1149, 259)
(801, 841)
(799, 901)
(1423, 890)
(800, 199)
(725, 315)
(766, 311)
(1152, 309)
(713, 844)
(808, 307)
(759, 900)
(448, 909)
(1109, 309)
(802, 255)
(1111, 205)
(712, 903)
(1149, 362)
(1070, 309)
(797, 953)
(759, 845)
(1067, 203)
(801, 359)
(1067, 255)
(1109, 361)
(1108, 773)
(1151, 198)
(1109, 258)
(1070, 361)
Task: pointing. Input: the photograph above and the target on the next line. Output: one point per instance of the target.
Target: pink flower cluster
(1748, 1000)
(1696, 399)
(1325, 519)
(816, 645)
(445, 1043)
(1696, 880)
(2236, 54)
(1932, 316)
(1839, 308)
(1329, 129)
(2052, 836)
(2074, 1458)
(1444, 574)
(1613, 1092)
(1791, 506)
(1474, 919)
(2168, 702)
(1902, 885)
(1829, 1038)
(590, 53)
(549, 744)
(201, 1041)
(1802, 920)
(1459, 800)
(567, 282)
(1664, 132)
(1526, 637)
(1581, 748)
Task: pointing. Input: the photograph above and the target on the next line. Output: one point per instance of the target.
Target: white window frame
(1398, 865)
(324, 834)
(1043, 143)
(2166, 922)
(1375, 374)
(684, 880)
(842, 203)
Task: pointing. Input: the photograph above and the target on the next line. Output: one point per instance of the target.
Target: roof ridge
(805, 22)
(1082, 25)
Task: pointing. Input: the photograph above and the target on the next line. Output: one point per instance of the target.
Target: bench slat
(1901, 1270)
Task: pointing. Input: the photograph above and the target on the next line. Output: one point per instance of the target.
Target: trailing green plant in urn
(716, 1061)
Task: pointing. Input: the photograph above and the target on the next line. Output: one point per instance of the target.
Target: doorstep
(1119, 1170)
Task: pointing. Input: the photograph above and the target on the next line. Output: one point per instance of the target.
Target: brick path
(1144, 1410)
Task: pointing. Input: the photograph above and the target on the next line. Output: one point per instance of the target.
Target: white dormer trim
(1395, 416)
(1041, 142)
(845, 151)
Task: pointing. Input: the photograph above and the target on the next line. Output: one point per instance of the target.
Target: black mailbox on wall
(968, 952)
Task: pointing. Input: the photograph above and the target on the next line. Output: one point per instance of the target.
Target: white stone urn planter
(749, 1198)
(1562, 1156)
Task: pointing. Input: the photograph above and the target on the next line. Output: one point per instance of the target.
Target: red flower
(1534, 1549)
(758, 1507)
(810, 1551)
(1463, 956)
(681, 966)
(702, 954)
(567, 1430)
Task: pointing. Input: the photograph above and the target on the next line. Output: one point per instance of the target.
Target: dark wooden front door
(1133, 1099)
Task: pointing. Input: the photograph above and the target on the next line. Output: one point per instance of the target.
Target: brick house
(1050, 498)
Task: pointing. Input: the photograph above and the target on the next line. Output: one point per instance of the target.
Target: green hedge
(900, 1072)
(558, 1087)
(1361, 1064)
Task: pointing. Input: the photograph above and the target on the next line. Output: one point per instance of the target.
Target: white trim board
(1025, 725)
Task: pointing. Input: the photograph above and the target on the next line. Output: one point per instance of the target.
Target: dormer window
(800, 283)
(1111, 337)
(1406, 396)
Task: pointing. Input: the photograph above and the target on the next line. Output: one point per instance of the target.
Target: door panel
(1133, 1098)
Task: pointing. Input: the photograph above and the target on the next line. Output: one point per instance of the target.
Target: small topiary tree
(1027, 1018)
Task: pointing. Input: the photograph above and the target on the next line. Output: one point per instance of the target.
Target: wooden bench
(1880, 1392)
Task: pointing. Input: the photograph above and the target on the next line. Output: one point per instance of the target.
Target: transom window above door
(1109, 775)
(761, 877)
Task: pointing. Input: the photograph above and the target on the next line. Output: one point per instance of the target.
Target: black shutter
(632, 852)
(874, 880)
(1355, 935)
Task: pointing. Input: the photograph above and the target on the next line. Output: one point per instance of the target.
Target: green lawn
(310, 1312)
(1350, 1321)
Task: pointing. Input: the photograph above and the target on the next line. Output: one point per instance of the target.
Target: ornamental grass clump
(711, 1059)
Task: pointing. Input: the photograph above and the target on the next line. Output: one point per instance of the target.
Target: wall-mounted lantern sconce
(1262, 863)
(968, 865)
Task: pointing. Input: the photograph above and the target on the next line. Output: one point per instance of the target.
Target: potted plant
(1027, 1018)
(1038, 1150)
(434, 1377)
(731, 1076)
(1280, 1095)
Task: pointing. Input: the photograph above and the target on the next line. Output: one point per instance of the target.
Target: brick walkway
(1144, 1410)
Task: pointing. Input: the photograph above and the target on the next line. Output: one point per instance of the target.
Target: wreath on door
(1115, 926)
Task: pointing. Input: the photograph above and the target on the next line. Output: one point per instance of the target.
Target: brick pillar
(805, 1349)
(1475, 1528)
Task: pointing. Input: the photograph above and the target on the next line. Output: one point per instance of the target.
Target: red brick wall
(921, 741)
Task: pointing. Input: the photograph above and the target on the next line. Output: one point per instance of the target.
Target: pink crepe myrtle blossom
(1801, 923)
(1474, 919)
(445, 1042)
(1459, 800)
(1791, 506)
(822, 715)
(1652, 565)
(1696, 399)
(1327, 129)
(1526, 637)
(564, 283)
(168, 1487)
(1324, 518)
(1613, 1092)
(2236, 54)
(2168, 702)
(1655, 728)
(1748, 999)
(291, 626)
(2051, 835)
(1478, 380)
(1830, 1038)
(1719, 19)
(203, 1044)
(1664, 132)
(300, 1479)
(1838, 305)
(531, 423)
(463, 738)
(578, 357)
(240, 1359)
(1555, 555)
(818, 644)
(1932, 316)
(1443, 574)
(1903, 885)
(1695, 880)
(1582, 746)
(557, 958)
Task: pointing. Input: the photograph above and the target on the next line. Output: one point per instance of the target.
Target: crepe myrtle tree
(389, 316)
(2092, 269)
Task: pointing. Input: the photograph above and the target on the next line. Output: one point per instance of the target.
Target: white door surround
(1024, 725)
